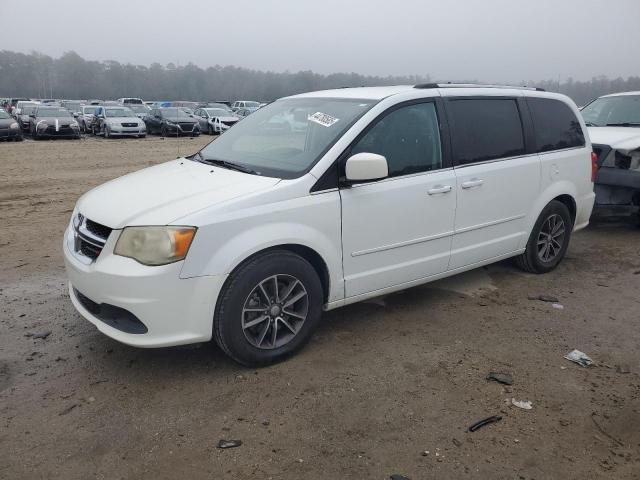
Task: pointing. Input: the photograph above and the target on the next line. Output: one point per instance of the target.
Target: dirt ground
(385, 387)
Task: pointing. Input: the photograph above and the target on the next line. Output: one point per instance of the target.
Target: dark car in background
(9, 127)
(46, 121)
(22, 116)
(171, 121)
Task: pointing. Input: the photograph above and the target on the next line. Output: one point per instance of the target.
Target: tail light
(594, 166)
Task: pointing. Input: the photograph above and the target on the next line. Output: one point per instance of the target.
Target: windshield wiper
(591, 124)
(229, 165)
(624, 124)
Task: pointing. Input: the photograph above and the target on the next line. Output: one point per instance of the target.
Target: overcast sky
(484, 40)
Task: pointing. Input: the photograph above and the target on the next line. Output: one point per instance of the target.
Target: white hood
(618, 138)
(161, 194)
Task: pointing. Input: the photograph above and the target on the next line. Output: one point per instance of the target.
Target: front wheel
(268, 309)
(163, 131)
(549, 239)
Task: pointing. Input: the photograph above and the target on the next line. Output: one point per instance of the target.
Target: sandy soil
(381, 384)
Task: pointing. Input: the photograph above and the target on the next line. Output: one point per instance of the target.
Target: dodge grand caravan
(381, 189)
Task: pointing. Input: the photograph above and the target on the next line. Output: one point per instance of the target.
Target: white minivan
(250, 239)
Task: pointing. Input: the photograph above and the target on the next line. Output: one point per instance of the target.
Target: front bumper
(173, 311)
(10, 133)
(128, 131)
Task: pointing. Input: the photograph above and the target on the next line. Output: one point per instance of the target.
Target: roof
(621, 94)
(378, 93)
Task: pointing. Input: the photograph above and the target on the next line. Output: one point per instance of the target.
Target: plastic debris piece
(485, 421)
(523, 404)
(397, 476)
(579, 357)
(229, 443)
(544, 298)
(504, 378)
(558, 306)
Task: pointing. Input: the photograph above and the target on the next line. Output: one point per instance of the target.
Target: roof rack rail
(471, 85)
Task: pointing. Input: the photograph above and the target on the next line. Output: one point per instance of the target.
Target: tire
(242, 290)
(163, 131)
(544, 257)
(142, 136)
(106, 132)
(211, 132)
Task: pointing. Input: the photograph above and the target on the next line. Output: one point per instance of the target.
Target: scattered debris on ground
(485, 421)
(544, 298)
(229, 443)
(504, 378)
(397, 476)
(558, 306)
(579, 357)
(523, 404)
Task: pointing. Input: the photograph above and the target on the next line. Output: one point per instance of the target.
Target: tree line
(71, 76)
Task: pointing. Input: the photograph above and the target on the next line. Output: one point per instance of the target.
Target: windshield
(118, 112)
(90, 110)
(251, 104)
(28, 110)
(53, 112)
(287, 137)
(217, 112)
(139, 108)
(624, 109)
(174, 112)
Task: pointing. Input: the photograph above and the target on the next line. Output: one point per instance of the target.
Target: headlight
(74, 124)
(168, 122)
(155, 245)
(14, 126)
(42, 124)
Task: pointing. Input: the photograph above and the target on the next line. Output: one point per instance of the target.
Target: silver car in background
(118, 121)
(86, 116)
(214, 121)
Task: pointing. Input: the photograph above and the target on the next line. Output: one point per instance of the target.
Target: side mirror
(365, 167)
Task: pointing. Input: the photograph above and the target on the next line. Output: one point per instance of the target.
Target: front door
(399, 229)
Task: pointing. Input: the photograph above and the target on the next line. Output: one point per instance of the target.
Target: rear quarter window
(555, 125)
(485, 129)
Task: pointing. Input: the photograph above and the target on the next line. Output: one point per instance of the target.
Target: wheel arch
(309, 254)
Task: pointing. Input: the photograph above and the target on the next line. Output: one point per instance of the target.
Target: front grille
(62, 130)
(115, 317)
(129, 124)
(187, 127)
(89, 237)
(97, 229)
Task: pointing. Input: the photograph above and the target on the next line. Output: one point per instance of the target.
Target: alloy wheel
(275, 311)
(551, 238)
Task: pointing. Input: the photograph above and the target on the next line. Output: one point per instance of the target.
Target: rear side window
(485, 129)
(556, 126)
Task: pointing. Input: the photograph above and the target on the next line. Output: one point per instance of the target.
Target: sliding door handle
(473, 183)
(439, 189)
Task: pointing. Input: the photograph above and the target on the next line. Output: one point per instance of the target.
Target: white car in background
(214, 121)
(614, 127)
(118, 122)
(251, 238)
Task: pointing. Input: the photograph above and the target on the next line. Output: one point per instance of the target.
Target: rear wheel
(549, 239)
(211, 132)
(268, 309)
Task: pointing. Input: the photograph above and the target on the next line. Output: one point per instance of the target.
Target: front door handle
(475, 182)
(439, 189)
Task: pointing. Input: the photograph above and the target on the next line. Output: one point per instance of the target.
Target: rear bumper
(584, 207)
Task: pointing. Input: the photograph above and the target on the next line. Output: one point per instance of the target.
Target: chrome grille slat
(89, 237)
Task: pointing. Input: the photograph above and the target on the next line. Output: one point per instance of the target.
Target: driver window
(408, 137)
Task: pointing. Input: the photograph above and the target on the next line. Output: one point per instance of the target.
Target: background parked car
(215, 120)
(73, 106)
(23, 116)
(141, 110)
(171, 121)
(243, 112)
(86, 116)
(117, 121)
(9, 127)
(245, 104)
(130, 101)
(613, 122)
(47, 121)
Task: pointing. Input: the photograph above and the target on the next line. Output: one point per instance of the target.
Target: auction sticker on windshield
(322, 119)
